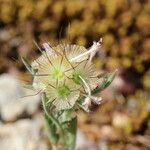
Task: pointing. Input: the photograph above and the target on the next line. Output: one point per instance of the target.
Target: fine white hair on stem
(94, 48)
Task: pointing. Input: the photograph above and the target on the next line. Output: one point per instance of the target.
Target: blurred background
(122, 122)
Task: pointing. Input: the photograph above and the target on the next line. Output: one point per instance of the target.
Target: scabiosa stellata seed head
(67, 80)
(63, 95)
(65, 73)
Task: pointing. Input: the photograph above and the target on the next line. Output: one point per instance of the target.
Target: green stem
(66, 125)
(52, 118)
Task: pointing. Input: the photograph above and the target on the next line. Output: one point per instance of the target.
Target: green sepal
(66, 115)
(28, 86)
(52, 130)
(28, 66)
(107, 80)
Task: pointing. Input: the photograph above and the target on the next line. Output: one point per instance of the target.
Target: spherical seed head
(63, 75)
(63, 96)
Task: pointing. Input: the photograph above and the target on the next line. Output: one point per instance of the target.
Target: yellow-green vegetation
(124, 26)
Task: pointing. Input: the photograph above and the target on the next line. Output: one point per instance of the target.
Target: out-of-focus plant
(124, 26)
(68, 81)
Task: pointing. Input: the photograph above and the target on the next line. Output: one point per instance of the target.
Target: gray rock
(11, 103)
(83, 142)
(22, 135)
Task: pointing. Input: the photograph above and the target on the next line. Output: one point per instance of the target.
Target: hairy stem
(53, 119)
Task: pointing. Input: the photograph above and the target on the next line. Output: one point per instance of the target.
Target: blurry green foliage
(123, 24)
